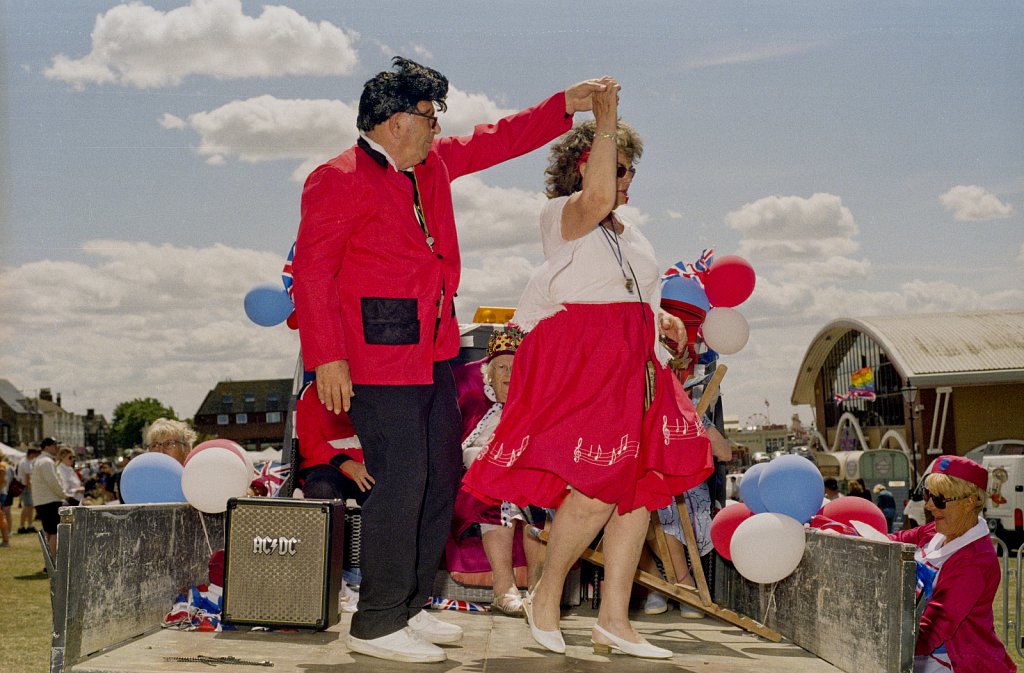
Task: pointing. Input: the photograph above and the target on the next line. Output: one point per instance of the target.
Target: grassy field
(997, 608)
(25, 641)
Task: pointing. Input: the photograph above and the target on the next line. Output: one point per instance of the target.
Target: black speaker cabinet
(283, 561)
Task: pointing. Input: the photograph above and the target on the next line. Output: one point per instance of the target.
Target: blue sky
(867, 158)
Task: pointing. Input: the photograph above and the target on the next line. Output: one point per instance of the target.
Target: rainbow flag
(863, 379)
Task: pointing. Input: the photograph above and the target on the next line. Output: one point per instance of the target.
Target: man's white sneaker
(403, 645)
(433, 630)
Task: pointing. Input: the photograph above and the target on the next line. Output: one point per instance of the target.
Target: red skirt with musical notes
(575, 418)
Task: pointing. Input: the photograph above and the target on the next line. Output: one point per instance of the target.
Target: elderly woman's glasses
(620, 171)
(433, 118)
(940, 500)
(165, 445)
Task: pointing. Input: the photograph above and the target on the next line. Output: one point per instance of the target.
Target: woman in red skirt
(592, 425)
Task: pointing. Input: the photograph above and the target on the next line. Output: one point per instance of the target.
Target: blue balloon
(268, 304)
(685, 290)
(793, 486)
(152, 477)
(750, 489)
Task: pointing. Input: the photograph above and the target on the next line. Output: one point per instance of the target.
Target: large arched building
(941, 382)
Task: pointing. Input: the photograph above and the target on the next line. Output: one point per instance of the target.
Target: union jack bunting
(438, 603)
(695, 270)
(270, 477)
(704, 262)
(286, 272)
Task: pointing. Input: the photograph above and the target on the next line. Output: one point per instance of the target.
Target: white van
(1004, 509)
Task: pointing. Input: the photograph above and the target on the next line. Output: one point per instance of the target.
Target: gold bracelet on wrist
(605, 134)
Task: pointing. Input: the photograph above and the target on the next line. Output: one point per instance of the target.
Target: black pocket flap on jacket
(390, 321)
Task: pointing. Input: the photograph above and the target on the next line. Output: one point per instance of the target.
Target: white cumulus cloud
(971, 203)
(137, 45)
(496, 219)
(139, 320)
(793, 228)
(802, 250)
(267, 128)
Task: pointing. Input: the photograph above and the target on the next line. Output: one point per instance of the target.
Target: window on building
(241, 419)
(249, 401)
(273, 403)
(226, 402)
(274, 416)
(222, 419)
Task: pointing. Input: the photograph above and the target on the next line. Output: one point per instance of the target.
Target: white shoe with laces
(433, 630)
(402, 645)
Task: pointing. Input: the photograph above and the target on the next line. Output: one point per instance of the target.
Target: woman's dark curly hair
(400, 90)
(563, 176)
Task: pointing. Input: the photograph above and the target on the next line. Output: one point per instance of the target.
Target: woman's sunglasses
(940, 500)
(620, 171)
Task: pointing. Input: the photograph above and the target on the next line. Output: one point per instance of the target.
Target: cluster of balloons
(213, 472)
(764, 535)
(712, 296)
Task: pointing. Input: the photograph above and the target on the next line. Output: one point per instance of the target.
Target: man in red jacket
(376, 269)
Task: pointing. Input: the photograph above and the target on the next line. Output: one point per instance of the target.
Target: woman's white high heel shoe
(643, 649)
(551, 640)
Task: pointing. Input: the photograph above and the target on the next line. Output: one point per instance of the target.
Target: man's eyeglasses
(433, 118)
(940, 500)
(620, 171)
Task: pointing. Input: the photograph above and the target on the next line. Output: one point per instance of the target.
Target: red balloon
(729, 282)
(853, 508)
(724, 525)
(232, 446)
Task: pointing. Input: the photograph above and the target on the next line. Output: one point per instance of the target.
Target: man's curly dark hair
(399, 90)
(562, 175)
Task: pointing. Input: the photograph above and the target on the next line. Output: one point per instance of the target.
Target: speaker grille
(277, 564)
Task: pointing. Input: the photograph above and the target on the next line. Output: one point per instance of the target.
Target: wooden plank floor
(493, 643)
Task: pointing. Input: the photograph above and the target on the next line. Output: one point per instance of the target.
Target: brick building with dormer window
(252, 413)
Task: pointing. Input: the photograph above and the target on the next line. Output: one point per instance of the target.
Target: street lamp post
(910, 397)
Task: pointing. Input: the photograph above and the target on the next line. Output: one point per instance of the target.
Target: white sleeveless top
(587, 271)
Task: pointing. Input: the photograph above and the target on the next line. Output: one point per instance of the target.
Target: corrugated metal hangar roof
(930, 349)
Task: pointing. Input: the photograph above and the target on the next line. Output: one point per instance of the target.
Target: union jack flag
(695, 270)
(286, 272)
(704, 262)
(270, 477)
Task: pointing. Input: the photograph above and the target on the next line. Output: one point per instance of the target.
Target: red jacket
(325, 438)
(959, 613)
(367, 286)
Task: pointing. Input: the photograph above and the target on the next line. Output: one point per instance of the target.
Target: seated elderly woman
(957, 574)
(169, 437)
(481, 410)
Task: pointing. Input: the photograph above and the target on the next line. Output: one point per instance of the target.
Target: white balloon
(212, 476)
(725, 330)
(767, 547)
